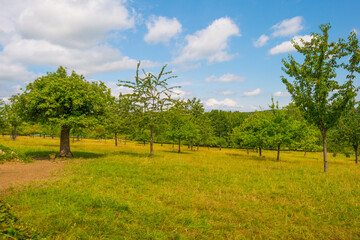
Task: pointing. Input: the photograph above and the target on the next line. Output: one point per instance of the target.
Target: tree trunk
(125, 141)
(278, 152)
(52, 136)
(356, 147)
(73, 139)
(192, 146)
(116, 139)
(323, 133)
(151, 141)
(179, 144)
(14, 135)
(247, 151)
(198, 146)
(304, 153)
(65, 142)
(259, 151)
(78, 138)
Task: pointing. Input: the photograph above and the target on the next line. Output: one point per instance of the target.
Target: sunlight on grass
(110, 192)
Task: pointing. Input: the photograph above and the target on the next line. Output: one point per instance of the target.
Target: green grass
(120, 193)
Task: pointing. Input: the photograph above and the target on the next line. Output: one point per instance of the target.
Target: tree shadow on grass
(45, 154)
(132, 154)
(175, 151)
(257, 158)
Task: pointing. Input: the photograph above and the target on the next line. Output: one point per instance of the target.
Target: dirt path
(13, 173)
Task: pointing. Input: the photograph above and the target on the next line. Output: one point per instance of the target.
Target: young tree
(66, 100)
(280, 128)
(13, 115)
(320, 98)
(252, 132)
(152, 96)
(349, 130)
(2, 115)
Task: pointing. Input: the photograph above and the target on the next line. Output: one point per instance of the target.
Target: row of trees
(73, 104)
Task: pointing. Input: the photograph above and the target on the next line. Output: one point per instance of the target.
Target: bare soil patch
(13, 173)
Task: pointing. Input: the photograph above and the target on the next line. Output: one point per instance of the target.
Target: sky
(227, 53)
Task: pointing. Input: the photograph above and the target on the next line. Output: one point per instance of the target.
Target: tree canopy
(315, 90)
(66, 100)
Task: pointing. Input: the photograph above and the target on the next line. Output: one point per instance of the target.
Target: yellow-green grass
(109, 192)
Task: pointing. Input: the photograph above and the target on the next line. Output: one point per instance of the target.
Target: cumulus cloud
(287, 46)
(288, 27)
(227, 102)
(162, 29)
(14, 72)
(225, 78)
(73, 23)
(97, 59)
(281, 94)
(261, 41)
(252, 93)
(209, 43)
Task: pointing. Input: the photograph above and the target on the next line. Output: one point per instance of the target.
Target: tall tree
(13, 116)
(320, 98)
(66, 100)
(2, 115)
(152, 95)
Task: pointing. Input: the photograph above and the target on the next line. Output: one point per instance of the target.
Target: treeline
(186, 122)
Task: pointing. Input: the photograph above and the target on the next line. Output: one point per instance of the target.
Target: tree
(320, 98)
(2, 115)
(252, 132)
(349, 130)
(66, 100)
(152, 97)
(13, 117)
(280, 128)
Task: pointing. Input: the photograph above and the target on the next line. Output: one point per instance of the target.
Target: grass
(110, 192)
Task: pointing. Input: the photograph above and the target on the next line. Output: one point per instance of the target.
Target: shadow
(132, 154)
(256, 158)
(175, 151)
(45, 155)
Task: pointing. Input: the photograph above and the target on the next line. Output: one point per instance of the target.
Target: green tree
(66, 100)
(280, 128)
(320, 98)
(152, 96)
(13, 116)
(349, 130)
(252, 133)
(2, 115)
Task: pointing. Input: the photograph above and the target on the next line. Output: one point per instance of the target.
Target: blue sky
(227, 53)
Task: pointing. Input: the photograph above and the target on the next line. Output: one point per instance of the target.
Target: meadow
(109, 192)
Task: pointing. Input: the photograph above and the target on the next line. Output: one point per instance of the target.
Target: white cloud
(227, 102)
(288, 27)
(225, 78)
(252, 93)
(162, 29)
(116, 90)
(85, 61)
(14, 72)
(228, 93)
(287, 46)
(262, 40)
(281, 94)
(73, 23)
(209, 43)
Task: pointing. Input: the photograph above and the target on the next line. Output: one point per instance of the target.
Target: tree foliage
(152, 95)
(64, 100)
(321, 99)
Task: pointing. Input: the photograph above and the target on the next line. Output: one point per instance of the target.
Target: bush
(7, 154)
(12, 228)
